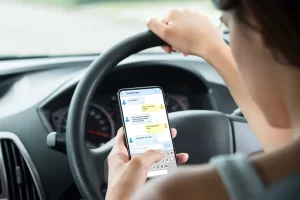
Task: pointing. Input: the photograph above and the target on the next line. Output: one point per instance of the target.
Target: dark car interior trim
(31, 87)
(161, 66)
(34, 173)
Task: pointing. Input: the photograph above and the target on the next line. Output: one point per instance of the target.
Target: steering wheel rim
(202, 134)
(86, 163)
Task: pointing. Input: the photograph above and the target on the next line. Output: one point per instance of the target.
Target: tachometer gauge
(172, 104)
(99, 127)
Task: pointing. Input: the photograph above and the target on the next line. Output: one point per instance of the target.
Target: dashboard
(103, 116)
(35, 95)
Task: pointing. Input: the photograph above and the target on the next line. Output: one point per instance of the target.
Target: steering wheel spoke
(202, 134)
(99, 156)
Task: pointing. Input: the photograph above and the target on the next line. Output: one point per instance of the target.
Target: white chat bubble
(141, 119)
(146, 139)
(137, 100)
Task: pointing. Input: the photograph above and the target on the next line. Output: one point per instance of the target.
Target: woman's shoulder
(239, 176)
(242, 180)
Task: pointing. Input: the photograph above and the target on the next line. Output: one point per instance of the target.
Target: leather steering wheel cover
(79, 155)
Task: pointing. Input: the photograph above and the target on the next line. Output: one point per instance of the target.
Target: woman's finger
(174, 49)
(150, 157)
(173, 133)
(167, 49)
(182, 158)
(165, 20)
(120, 137)
(119, 145)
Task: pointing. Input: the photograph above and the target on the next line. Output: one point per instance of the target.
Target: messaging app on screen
(146, 124)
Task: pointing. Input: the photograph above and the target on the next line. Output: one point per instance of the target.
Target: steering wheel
(202, 134)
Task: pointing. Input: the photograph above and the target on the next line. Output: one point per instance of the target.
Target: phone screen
(146, 126)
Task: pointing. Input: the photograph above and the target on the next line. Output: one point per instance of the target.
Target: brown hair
(279, 22)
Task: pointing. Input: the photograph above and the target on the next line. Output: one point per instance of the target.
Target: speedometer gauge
(99, 127)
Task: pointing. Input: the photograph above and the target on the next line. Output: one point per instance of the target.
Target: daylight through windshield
(60, 27)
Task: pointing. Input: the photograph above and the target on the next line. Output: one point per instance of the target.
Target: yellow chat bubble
(154, 128)
(152, 107)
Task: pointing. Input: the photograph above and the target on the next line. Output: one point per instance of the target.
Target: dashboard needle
(106, 135)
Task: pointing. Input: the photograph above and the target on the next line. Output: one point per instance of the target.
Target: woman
(262, 71)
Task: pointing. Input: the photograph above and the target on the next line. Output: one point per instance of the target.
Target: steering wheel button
(171, 153)
(167, 159)
(170, 159)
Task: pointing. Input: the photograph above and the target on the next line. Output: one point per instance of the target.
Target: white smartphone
(146, 124)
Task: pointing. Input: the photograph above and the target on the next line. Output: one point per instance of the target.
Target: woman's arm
(188, 183)
(224, 63)
(204, 182)
(194, 34)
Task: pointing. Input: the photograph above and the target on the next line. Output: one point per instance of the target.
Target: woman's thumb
(152, 156)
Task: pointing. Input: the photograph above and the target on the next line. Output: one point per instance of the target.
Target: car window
(60, 27)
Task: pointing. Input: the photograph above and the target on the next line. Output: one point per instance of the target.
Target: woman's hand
(189, 33)
(126, 176)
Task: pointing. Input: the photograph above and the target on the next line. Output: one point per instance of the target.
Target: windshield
(65, 27)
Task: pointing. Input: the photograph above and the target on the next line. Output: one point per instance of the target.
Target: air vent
(20, 183)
